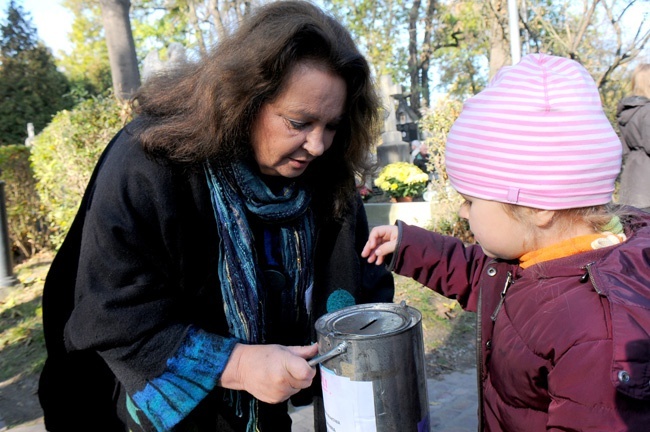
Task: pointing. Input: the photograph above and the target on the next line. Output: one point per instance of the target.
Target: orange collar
(570, 247)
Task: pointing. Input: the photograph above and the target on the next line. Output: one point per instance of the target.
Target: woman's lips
(299, 163)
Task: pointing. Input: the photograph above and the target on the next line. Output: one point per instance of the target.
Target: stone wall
(423, 214)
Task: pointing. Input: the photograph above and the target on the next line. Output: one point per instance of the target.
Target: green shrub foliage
(435, 124)
(26, 222)
(32, 89)
(65, 153)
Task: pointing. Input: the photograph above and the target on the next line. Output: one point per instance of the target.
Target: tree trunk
(413, 61)
(121, 48)
(427, 52)
(499, 38)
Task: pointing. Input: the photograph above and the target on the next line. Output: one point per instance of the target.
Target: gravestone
(30, 134)
(392, 147)
(153, 65)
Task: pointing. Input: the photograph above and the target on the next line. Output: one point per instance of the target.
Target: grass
(443, 320)
(22, 345)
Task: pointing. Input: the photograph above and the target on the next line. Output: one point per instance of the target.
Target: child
(560, 283)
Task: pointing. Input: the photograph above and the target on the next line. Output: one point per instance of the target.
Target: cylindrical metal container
(372, 369)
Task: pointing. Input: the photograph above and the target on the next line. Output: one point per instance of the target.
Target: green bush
(65, 153)
(435, 124)
(26, 221)
(455, 226)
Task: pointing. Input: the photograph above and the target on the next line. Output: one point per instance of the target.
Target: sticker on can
(349, 405)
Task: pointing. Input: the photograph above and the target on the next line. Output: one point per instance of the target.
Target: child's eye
(466, 203)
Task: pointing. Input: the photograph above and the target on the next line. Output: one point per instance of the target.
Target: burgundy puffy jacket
(565, 344)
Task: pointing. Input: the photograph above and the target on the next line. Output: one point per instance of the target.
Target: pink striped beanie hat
(537, 136)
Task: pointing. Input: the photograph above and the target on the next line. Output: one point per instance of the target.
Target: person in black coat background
(633, 116)
(216, 228)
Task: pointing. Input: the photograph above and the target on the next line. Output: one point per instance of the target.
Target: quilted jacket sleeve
(442, 263)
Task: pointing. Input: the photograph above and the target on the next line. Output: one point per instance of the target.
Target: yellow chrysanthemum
(400, 179)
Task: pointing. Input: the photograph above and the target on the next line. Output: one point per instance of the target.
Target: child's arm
(439, 262)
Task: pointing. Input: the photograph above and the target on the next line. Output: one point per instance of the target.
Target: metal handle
(337, 350)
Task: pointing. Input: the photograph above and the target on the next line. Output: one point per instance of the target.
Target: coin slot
(369, 324)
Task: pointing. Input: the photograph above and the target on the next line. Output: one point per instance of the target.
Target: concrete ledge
(413, 213)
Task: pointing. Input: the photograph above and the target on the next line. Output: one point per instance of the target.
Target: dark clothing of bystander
(633, 115)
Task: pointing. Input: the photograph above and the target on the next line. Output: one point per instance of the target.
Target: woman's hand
(381, 242)
(271, 373)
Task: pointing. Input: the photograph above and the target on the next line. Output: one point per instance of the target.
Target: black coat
(138, 268)
(633, 115)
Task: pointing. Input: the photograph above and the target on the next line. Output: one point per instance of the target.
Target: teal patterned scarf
(235, 189)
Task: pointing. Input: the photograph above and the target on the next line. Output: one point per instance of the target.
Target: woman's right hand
(381, 242)
(271, 373)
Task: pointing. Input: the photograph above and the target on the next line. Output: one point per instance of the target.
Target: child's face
(499, 234)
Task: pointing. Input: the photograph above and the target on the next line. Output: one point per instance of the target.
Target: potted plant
(402, 181)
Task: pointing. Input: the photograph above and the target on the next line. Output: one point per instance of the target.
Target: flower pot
(402, 199)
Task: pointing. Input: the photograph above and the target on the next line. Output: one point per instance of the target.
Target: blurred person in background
(421, 158)
(415, 149)
(633, 116)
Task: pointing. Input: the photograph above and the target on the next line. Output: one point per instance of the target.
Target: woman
(217, 227)
(633, 116)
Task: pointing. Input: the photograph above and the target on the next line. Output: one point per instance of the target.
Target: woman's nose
(315, 143)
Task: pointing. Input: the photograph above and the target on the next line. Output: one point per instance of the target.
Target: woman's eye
(296, 124)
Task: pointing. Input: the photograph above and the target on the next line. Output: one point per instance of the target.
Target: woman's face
(299, 125)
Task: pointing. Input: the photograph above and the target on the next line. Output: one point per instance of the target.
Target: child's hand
(382, 241)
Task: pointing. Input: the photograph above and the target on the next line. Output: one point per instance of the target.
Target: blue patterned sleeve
(189, 376)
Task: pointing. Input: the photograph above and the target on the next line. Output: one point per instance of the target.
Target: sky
(51, 20)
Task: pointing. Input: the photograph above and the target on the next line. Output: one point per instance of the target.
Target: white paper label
(349, 405)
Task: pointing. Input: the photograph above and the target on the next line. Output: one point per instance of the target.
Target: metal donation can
(372, 369)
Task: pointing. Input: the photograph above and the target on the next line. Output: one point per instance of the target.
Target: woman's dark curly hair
(204, 110)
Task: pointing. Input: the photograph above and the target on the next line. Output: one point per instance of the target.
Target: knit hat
(537, 136)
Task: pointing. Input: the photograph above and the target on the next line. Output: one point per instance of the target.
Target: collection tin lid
(368, 320)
